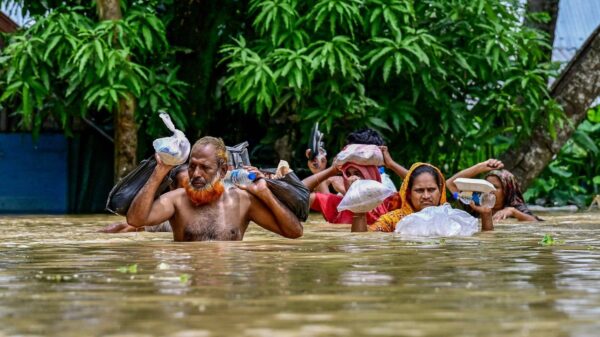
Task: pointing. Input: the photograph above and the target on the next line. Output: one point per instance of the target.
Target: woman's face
(499, 192)
(424, 192)
(352, 175)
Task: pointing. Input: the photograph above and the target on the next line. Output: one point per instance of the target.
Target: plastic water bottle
(479, 198)
(239, 177)
(386, 180)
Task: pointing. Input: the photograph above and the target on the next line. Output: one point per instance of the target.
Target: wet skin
(227, 218)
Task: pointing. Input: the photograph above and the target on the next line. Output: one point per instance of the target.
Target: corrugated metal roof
(14, 12)
(577, 19)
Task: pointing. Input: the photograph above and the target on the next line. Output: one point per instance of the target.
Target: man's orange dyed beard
(210, 193)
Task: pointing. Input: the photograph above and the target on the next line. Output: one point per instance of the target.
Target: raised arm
(359, 222)
(144, 210)
(389, 163)
(508, 212)
(473, 171)
(487, 222)
(268, 212)
(313, 181)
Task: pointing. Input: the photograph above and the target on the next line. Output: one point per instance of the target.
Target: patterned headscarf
(512, 191)
(388, 221)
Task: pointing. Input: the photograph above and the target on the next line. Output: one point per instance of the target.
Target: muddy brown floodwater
(58, 277)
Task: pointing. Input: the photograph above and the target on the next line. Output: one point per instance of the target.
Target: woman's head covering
(388, 221)
(512, 190)
(369, 172)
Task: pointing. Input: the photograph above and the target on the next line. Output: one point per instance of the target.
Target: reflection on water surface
(59, 277)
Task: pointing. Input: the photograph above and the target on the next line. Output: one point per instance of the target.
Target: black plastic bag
(292, 193)
(123, 193)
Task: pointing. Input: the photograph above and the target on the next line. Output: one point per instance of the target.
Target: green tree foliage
(574, 176)
(68, 64)
(450, 82)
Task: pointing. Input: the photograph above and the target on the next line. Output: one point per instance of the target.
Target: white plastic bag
(364, 195)
(361, 154)
(172, 150)
(438, 221)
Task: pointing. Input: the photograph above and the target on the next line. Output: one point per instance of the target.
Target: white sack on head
(364, 195)
(360, 154)
(172, 150)
(438, 221)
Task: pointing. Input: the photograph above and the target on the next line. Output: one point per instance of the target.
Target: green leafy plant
(574, 176)
(465, 76)
(68, 65)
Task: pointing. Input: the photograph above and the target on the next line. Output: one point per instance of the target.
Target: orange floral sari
(388, 221)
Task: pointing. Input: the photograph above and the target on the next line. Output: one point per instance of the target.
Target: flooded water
(58, 277)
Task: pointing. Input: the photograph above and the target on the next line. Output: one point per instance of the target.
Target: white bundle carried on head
(361, 154)
(364, 195)
(172, 150)
(438, 221)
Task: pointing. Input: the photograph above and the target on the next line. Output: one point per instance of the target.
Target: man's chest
(211, 223)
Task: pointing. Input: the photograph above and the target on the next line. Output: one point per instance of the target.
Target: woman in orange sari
(424, 186)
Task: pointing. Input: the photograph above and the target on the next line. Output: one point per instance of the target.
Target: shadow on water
(59, 277)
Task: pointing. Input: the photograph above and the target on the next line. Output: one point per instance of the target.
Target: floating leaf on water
(184, 278)
(131, 269)
(548, 240)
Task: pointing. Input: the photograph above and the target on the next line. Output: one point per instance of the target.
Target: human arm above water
(314, 180)
(487, 222)
(268, 212)
(509, 212)
(389, 163)
(144, 210)
(359, 222)
(473, 171)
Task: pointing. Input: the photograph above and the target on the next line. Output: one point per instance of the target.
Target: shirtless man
(204, 209)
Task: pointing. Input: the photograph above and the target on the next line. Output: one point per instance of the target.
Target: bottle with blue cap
(386, 180)
(487, 199)
(480, 191)
(238, 177)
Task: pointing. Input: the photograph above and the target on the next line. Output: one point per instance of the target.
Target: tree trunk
(575, 90)
(550, 7)
(125, 126)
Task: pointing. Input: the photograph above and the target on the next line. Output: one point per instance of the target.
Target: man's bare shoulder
(175, 196)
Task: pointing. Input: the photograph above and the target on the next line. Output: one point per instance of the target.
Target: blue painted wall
(33, 176)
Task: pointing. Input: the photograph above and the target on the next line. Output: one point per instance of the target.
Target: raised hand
(387, 158)
(503, 214)
(160, 165)
(490, 165)
(257, 188)
(252, 169)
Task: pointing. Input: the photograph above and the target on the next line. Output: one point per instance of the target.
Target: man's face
(203, 167)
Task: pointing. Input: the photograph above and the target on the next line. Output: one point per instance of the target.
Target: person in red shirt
(340, 177)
